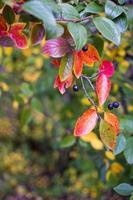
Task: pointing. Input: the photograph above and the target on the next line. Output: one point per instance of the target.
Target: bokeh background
(39, 157)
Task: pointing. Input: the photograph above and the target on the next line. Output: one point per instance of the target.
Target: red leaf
(3, 26)
(62, 85)
(107, 68)
(78, 64)
(56, 47)
(103, 86)
(18, 36)
(86, 123)
(113, 120)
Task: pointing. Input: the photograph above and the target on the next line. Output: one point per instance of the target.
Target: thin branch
(88, 97)
(89, 81)
(74, 20)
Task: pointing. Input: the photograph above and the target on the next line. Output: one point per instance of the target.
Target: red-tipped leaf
(56, 47)
(86, 123)
(103, 86)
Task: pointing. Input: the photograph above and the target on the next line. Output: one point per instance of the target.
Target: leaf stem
(74, 20)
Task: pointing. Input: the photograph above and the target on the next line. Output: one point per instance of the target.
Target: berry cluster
(113, 105)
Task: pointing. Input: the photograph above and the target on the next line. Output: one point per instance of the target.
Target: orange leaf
(113, 120)
(78, 64)
(103, 86)
(86, 123)
(90, 56)
(18, 36)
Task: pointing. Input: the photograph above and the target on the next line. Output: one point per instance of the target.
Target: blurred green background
(39, 157)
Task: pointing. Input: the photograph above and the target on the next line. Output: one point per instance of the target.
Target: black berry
(115, 104)
(85, 48)
(110, 106)
(75, 88)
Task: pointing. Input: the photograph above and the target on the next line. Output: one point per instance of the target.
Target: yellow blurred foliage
(6, 128)
(109, 155)
(14, 162)
(4, 86)
(8, 51)
(39, 62)
(93, 140)
(31, 75)
(116, 168)
(85, 101)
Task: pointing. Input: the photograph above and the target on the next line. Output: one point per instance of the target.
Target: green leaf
(98, 42)
(25, 117)
(120, 144)
(66, 66)
(8, 14)
(128, 152)
(107, 134)
(68, 11)
(108, 29)
(112, 10)
(121, 22)
(121, 1)
(67, 141)
(36, 104)
(93, 8)
(79, 34)
(26, 90)
(39, 10)
(124, 189)
(126, 124)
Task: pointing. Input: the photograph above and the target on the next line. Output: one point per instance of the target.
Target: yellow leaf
(116, 168)
(109, 155)
(93, 140)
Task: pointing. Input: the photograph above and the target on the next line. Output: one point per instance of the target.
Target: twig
(74, 20)
(89, 81)
(88, 97)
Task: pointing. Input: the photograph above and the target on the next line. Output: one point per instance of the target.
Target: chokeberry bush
(66, 146)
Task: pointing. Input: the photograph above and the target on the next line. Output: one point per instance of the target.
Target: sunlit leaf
(113, 120)
(107, 68)
(107, 134)
(86, 123)
(17, 35)
(103, 86)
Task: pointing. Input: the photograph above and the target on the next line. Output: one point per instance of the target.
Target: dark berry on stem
(115, 104)
(75, 88)
(110, 106)
(85, 48)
